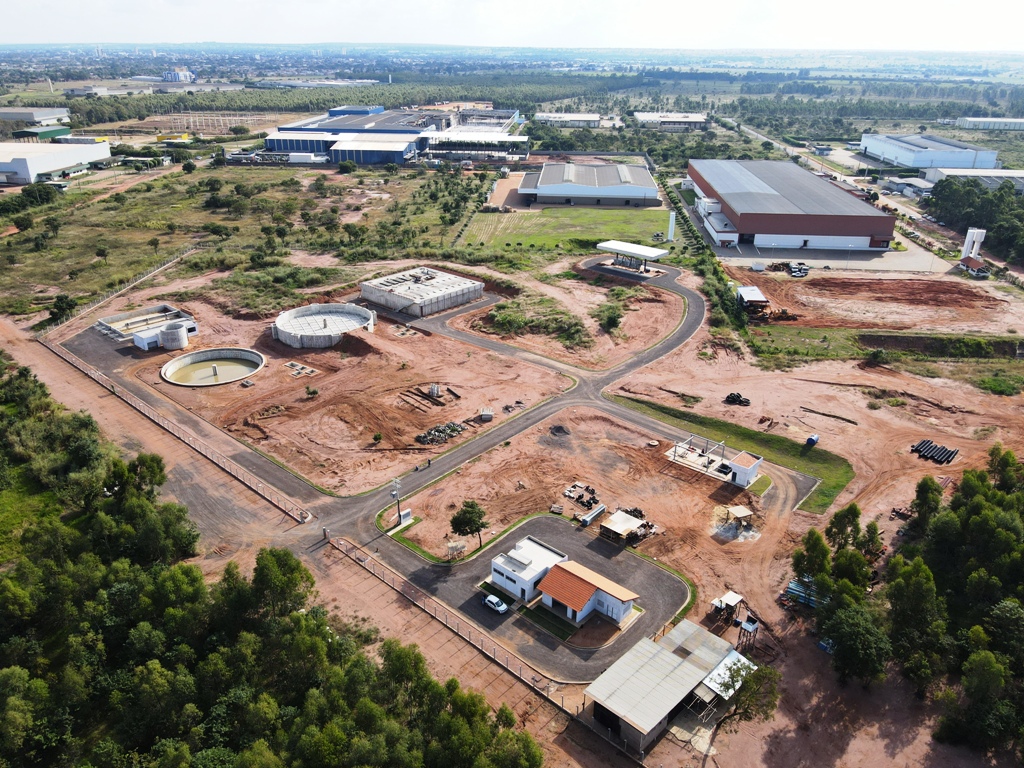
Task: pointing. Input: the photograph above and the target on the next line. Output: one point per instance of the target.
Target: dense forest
(964, 203)
(116, 654)
(948, 608)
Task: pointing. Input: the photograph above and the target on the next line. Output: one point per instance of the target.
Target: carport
(631, 255)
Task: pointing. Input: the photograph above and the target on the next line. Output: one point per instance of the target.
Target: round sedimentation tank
(210, 367)
(174, 336)
(319, 326)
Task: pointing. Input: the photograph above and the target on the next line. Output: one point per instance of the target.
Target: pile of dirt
(559, 431)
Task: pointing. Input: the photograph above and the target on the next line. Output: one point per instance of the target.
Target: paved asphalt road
(353, 517)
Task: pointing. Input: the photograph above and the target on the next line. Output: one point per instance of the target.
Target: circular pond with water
(211, 367)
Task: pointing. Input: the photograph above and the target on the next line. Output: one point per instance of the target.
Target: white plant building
(579, 184)
(991, 123)
(672, 122)
(25, 163)
(520, 571)
(568, 119)
(421, 291)
(926, 151)
(574, 591)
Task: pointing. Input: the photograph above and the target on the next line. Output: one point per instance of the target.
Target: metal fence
(115, 291)
(268, 492)
(541, 684)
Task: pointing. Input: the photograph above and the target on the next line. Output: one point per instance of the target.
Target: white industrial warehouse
(421, 291)
(926, 151)
(319, 326)
(580, 184)
(672, 122)
(991, 123)
(26, 163)
(568, 119)
(35, 115)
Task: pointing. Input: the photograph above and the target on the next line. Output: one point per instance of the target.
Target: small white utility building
(421, 291)
(745, 467)
(520, 571)
(574, 591)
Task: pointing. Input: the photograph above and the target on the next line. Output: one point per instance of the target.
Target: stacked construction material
(440, 434)
(940, 454)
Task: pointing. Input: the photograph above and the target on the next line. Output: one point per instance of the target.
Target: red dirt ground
(328, 439)
(946, 303)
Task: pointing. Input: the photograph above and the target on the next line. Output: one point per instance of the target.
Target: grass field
(22, 502)
(835, 471)
(557, 228)
(783, 346)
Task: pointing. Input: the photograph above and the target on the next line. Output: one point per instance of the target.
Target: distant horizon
(988, 53)
(660, 25)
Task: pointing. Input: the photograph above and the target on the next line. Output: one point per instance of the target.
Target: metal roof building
(991, 123)
(35, 115)
(26, 162)
(578, 184)
(988, 178)
(926, 151)
(673, 122)
(777, 204)
(569, 119)
(652, 682)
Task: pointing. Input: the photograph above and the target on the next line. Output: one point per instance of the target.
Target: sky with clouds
(938, 25)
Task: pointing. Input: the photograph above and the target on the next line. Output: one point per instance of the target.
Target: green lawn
(558, 228)
(835, 471)
(547, 621)
(25, 500)
(781, 345)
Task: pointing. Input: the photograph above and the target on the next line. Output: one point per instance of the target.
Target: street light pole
(396, 485)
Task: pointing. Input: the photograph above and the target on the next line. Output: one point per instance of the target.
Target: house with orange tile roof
(574, 591)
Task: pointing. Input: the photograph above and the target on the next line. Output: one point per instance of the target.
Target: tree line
(523, 92)
(946, 610)
(116, 654)
(964, 202)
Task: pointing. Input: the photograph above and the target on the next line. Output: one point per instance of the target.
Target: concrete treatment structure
(579, 184)
(319, 326)
(568, 119)
(926, 151)
(421, 291)
(27, 162)
(772, 204)
(991, 123)
(146, 320)
(672, 122)
(212, 367)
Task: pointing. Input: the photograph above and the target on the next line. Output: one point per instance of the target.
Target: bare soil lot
(585, 445)
(947, 303)
(329, 438)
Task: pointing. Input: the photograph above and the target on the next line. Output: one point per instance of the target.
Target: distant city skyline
(661, 24)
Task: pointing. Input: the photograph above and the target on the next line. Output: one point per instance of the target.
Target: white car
(495, 604)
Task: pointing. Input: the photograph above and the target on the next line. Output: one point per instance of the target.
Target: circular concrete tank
(174, 336)
(211, 367)
(318, 326)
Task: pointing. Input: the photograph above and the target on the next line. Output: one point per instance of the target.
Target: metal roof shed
(631, 255)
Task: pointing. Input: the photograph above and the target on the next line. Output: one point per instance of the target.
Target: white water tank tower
(972, 243)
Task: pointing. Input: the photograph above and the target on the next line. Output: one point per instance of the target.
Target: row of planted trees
(946, 611)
